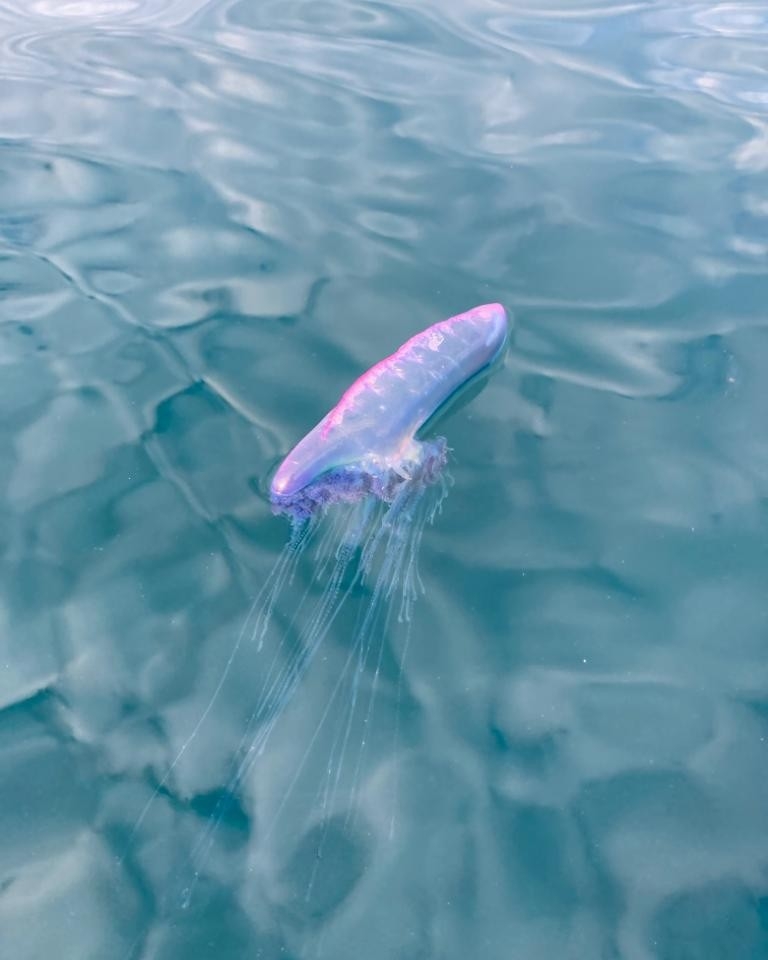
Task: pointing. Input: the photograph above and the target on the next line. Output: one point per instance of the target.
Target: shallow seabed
(213, 216)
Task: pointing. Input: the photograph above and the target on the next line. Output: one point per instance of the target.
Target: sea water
(213, 217)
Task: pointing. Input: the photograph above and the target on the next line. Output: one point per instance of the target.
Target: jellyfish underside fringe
(352, 482)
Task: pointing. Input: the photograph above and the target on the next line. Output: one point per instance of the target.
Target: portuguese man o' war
(367, 442)
(359, 490)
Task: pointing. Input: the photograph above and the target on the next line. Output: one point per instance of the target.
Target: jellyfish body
(369, 454)
(368, 442)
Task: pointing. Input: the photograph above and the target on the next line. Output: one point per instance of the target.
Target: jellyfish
(358, 490)
(368, 444)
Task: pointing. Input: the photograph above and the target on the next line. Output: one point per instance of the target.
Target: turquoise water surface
(213, 217)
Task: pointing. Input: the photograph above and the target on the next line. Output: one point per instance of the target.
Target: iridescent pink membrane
(368, 442)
